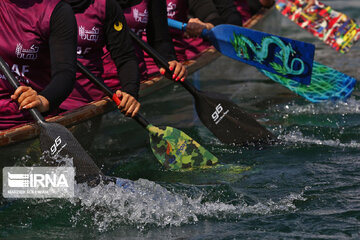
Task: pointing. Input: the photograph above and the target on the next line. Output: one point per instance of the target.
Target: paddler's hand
(29, 98)
(195, 27)
(179, 71)
(129, 105)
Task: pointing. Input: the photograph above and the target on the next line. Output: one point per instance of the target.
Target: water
(305, 187)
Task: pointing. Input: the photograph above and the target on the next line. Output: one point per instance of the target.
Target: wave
(146, 203)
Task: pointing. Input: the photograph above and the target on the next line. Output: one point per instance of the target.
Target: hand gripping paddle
(286, 57)
(172, 147)
(221, 116)
(326, 83)
(58, 140)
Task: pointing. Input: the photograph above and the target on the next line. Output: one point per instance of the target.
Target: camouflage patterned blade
(173, 148)
(176, 150)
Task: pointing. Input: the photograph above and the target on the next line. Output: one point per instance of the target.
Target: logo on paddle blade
(219, 114)
(54, 150)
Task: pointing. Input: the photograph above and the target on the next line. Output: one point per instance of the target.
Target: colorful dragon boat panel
(332, 27)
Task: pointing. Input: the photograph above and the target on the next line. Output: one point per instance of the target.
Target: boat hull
(19, 136)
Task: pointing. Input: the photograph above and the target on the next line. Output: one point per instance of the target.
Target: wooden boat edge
(96, 108)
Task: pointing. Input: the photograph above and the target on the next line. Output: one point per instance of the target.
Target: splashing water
(146, 203)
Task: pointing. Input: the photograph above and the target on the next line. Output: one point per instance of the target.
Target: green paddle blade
(176, 150)
(326, 84)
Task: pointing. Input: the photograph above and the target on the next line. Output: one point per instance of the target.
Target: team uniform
(29, 43)
(149, 16)
(101, 24)
(185, 48)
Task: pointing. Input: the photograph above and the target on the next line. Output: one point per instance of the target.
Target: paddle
(172, 147)
(326, 83)
(283, 56)
(221, 116)
(58, 141)
(333, 28)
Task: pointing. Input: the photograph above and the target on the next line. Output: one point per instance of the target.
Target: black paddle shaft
(58, 141)
(138, 117)
(155, 55)
(15, 83)
(221, 116)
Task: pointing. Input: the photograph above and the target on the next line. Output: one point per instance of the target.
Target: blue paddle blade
(326, 84)
(286, 57)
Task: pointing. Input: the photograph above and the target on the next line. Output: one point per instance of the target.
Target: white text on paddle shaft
(219, 114)
(54, 148)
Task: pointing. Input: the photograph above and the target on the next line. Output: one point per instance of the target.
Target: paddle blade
(176, 150)
(228, 122)
(285, 57)
(59, 142)
(326, 84)
(332, 27)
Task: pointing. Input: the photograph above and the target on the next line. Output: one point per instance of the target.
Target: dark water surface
(306, 187)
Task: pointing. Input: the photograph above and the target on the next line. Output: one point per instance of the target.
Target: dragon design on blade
(261, 52)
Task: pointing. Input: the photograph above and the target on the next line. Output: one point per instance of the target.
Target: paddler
(189, 45)
(38, 42)
(102, 23)
(149, 16)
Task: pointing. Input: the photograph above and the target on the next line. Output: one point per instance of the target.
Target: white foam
(147, 203)
(351, 106)
(298, 137)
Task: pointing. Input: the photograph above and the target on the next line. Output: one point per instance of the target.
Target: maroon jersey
(137, 19)
(89, 52)
(24, 38)
(178, 10)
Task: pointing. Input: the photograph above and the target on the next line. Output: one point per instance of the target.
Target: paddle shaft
(182, 26)
(15, 83)
(284, 56)
(138, 117)
(155, 55)
(179, 158)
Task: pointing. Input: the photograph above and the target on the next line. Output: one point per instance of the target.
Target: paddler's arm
(62, 44)
(228, 12)
(120, 46)
(195, 27)
(209, 13)
(157, 33)
(206, 11)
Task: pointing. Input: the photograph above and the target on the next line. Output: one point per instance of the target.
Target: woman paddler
(148, 16)
(188, 45)
(38, 42)
(102, 23)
